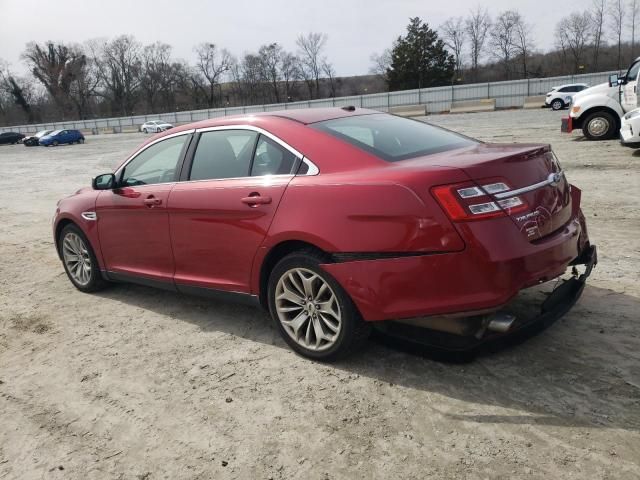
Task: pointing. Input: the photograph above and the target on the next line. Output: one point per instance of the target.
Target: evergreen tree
(419, 59)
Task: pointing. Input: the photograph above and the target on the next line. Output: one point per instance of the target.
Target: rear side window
(271, 159)
(393, 138)
(223, 154)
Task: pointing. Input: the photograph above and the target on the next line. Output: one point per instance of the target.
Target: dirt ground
(135, 383)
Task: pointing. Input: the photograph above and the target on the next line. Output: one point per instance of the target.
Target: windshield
(42, 133)
(393, 138)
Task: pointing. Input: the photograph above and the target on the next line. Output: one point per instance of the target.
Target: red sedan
(333, 219)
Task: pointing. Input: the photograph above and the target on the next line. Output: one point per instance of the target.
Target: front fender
(596, 100)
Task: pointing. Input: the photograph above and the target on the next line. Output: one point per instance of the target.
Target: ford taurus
(334, 219)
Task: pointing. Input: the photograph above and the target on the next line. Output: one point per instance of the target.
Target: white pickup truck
(598, 110)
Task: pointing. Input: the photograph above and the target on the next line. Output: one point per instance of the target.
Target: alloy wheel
(76, 258)
(308, 309)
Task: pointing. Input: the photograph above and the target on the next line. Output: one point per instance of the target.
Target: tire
(600, 126)
(81, 141)
(144, 130)
(345, 332)
(557, 104)
(55, 143)
(94, 281)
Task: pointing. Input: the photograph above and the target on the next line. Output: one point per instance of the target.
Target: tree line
(121, 76)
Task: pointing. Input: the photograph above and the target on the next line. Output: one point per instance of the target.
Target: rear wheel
(81, 140)
(313, 313)
(557, 104)
(144, 130)
(599, 126)
(79, 260)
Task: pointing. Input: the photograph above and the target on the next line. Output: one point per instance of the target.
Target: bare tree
(634, 9)
(119, 64)
(597, 21)
(271, 59)
(573, 34)
(156, 71)
(477, 26)
(290, 71)
(18, 89)
(454, 35)
(310, 52)
(523, 41)
(616, 19)
(330, 74)
(56, 67)
(503, 39)
(381, 63)
(212, 63)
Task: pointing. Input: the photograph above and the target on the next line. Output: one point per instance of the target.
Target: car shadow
(583, 371)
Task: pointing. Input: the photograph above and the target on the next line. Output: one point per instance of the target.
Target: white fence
(438, 99)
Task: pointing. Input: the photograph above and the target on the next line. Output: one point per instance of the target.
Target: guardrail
(507, 94)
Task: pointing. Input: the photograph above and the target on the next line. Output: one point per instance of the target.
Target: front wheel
(313, 313)
(79, 260)
(557, 104)
(600, 126)
(144, 130)
(55, 143)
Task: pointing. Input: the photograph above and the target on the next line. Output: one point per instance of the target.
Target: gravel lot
(135, 383)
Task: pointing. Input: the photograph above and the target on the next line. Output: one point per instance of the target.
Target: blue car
(59, 137)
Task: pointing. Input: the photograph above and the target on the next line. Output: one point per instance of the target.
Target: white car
(155, 126)
(561, 97)
(630, 129)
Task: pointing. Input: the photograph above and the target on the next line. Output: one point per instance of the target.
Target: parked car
(60, 137)
(10, 137)
(155, 126)
(598, 110)
(333, 219)
(630, 129)
(560, 97)
(34, 140)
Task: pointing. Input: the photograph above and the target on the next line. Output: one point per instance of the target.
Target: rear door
(221, 213)
(133, 223)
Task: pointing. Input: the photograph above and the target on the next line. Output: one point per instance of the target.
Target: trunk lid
(531, 169)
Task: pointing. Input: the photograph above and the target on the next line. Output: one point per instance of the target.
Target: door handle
(256, 199)
(152, 201)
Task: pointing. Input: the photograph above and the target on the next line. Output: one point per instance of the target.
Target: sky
(355, 28)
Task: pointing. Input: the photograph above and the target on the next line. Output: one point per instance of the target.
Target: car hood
(602, 88)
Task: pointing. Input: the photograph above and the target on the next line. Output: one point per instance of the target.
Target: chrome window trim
(260, 177)
(552, 179)
(143, 148)
(313, 169)
(312, 166)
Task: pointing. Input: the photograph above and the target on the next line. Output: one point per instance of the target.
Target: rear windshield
(393, 138)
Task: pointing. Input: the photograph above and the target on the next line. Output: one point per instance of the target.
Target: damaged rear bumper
(501, 328)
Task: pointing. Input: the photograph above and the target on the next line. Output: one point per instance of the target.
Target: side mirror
(613, 80)
(106, 181)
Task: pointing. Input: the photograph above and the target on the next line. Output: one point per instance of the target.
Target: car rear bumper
(555, 306)
(481, 278)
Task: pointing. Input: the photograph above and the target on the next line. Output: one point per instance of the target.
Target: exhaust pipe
(500, 323)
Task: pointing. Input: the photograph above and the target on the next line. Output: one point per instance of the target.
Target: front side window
(393, 138)
(632, 74)
(223, 154)
(156, 164)
(272, 159)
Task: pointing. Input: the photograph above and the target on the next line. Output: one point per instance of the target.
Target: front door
(221, 214)
(629, 98)
(133, 223)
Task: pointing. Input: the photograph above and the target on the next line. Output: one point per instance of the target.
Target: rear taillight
(468, 201)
